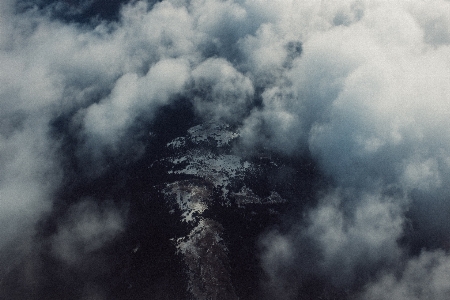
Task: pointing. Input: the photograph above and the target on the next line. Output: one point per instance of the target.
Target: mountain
(215, 182)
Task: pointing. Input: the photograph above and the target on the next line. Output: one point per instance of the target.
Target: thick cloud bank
(360, 87)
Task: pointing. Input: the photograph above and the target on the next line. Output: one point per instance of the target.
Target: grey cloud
(424, 277)
(340, 243)
(221, 92)
(28, 180)
(106, 124)
(434, 20)
(369, 107)
(365, 94)
(87, 228)
(368, 237)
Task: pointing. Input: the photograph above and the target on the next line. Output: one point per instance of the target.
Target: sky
(361, 88)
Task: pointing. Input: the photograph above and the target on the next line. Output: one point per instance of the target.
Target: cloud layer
(360, 87)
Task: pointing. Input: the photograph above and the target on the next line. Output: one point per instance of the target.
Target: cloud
(424, 277)
(29, 177)
(368, 236)
(344, 240)
(361, 88)
(87, 228)
(220, 91)
(106, 124)
(27, 182)
(29, 160)
(367, 99)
